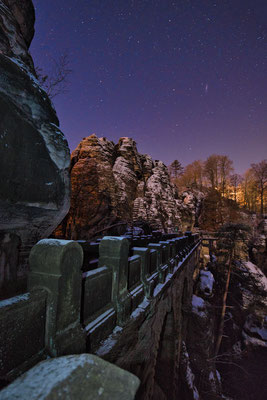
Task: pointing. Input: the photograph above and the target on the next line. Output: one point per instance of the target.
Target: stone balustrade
(78, 308)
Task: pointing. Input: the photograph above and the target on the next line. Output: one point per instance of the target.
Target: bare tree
(211, 170)
(192, 176)
(55, 83)
(260, 173)
(225, 168)
(235, 181)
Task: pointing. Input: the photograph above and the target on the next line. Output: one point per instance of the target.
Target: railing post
(55, 266)
(113, 253)
(158, 247)
(167, 245)
(144, 253)
(176, 250)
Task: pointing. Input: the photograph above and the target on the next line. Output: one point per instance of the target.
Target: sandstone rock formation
(112, 183)
(34, 155)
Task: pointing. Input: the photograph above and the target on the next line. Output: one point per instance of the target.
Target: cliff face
(23, 11)
(112, 183)
(34, 155)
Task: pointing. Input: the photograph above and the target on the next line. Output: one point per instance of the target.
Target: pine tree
(176, 169)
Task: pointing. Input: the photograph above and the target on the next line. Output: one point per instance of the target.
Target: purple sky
(185, 78)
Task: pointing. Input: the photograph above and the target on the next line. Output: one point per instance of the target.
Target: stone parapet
(75, 310)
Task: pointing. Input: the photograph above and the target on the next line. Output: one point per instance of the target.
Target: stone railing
(68, 309)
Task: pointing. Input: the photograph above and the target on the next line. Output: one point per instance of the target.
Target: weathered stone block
(55, 265)
(83, 377)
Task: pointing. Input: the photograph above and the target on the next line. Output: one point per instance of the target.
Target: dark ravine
(237, 371)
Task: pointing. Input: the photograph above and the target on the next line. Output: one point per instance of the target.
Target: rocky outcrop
(34, 155)
(113, 183)
(23, 11)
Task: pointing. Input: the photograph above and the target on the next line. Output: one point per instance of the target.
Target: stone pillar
(183, 246)
(55, 265)
(172, 260)
(144, 253)
(158, 247)
(113, 253)
(167, 244)
(167, 251)
(176, 250)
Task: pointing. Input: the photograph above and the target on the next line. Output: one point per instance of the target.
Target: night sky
(185, 79)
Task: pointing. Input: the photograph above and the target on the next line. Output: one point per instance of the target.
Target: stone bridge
(126, 304)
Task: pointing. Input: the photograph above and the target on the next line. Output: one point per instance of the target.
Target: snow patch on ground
(199, 306)
(206, 281)
(253, 341)
(256, 327)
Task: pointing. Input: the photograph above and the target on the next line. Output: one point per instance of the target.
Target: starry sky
(185, 78)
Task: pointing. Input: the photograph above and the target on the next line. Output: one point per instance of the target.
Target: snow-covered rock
(199, 306)
(205, 285)
(112, 183)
